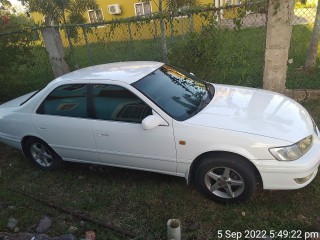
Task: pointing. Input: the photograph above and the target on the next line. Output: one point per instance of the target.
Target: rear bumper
(8, 140)
(290, 174)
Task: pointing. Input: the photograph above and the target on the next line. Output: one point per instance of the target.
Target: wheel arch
(196, 162)
(55, 160)
(25, 139)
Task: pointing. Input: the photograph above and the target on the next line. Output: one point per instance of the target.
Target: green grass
(298, 52)
(142, 202)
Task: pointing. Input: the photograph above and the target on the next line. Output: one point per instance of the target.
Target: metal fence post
(87, 46)
(191, 24)
(131, 39)
(164, 41)
(155, 29)
(71, 48)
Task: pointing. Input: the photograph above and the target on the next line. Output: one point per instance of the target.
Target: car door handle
(103, 134)
(42, 128)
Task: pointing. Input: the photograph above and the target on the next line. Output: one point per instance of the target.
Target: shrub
(196, 52)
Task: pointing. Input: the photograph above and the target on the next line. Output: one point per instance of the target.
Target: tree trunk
(313, 47)
(279, 22)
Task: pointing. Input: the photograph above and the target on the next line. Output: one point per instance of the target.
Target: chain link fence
(303, 22)
(224, 45)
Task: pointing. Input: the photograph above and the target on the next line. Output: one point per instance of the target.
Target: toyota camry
(154, 117)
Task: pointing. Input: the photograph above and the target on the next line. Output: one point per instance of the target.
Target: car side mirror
(151, 122)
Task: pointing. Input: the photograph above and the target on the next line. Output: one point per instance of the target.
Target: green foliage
(194, 49)
(62, 11)
(176, 4)
(222, 55)
(76, 18)
(14, 47)
(259, 6)
(18, 57)
(5, 4)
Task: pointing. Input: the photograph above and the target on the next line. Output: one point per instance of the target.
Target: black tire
(41, 154)
(226, 178)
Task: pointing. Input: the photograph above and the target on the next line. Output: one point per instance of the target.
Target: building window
(143, 8)
(95, 16)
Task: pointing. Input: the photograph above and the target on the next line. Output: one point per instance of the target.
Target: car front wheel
(226, 179)
(41, 154)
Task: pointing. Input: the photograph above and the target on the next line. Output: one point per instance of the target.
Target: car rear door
(63, 121)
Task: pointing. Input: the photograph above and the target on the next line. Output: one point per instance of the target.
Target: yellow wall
(127, 8)
(37, 17)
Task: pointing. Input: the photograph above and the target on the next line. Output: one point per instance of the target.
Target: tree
(16, 47)
(61, 11)
(176, 4)
(173, 5)
(4, 5)
(314, 42)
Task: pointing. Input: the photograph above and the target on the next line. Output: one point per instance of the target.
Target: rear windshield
(29, 98)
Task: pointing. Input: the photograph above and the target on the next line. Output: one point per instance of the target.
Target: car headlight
(292, 152)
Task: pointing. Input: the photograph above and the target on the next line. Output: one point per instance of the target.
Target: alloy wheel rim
(224, 182)
(41, 154)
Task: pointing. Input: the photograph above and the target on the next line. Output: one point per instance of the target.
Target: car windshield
(178, 93)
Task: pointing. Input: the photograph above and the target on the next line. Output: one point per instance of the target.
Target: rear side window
(116, 103)
(67, 100)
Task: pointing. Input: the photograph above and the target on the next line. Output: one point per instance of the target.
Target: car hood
(255, 111)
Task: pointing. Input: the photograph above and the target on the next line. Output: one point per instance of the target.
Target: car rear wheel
(226, 179)
(41, 154)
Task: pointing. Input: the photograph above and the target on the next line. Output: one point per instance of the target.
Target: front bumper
(290, 174)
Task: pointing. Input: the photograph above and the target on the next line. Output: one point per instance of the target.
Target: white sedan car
(154, 117)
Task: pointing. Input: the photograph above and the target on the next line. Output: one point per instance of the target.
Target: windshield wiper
(204, 102)
(210, 89)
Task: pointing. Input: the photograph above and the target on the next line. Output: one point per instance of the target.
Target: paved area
(301, 16)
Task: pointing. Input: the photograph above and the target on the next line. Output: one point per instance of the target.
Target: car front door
(120, 138)
(63, 121)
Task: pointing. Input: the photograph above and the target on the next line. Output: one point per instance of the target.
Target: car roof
(128, 72)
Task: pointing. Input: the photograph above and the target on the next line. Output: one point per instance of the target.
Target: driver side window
(115, 103)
